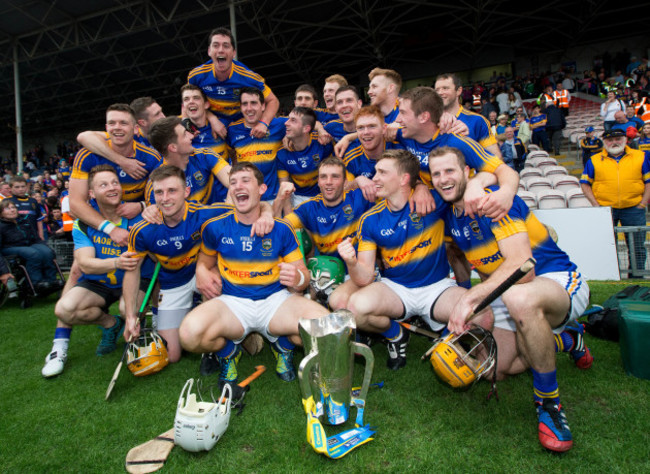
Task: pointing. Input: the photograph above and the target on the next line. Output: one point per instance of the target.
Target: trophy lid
(333, 323)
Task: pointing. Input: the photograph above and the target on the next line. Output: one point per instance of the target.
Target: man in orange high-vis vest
(562, 99)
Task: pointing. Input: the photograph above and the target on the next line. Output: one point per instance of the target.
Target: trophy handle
(367, 354)
(303, 374)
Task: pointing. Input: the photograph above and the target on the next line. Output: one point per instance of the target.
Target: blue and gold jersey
(301, 167)
(249, 265)
(224, 95)
(176, 248)
(411, 248)
(479, 127)
(205, 139)
(86, 236)
(324, 116)
(259, 151)
(201, 177)
(478, 238)
(138, 137)
(644, 145)
(132, 189)
(335, 128)
(358, 163)
(538, 120)
(476, 157)
(392, 115)
(65, 171)
(329, 226)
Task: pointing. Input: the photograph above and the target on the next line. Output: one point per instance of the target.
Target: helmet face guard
(147, 355)
(461, 359)
(326, 274)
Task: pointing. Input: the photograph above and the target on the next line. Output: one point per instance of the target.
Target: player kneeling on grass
(247, 279)
(102, 264)
(541, 309)
(414, 279)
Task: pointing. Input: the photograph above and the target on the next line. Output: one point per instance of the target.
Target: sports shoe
(554, 431)
(397, 351)
(580, 354)
(284, 368)
(237, 392)
(109, 337)
(209, 363)
(228, 371)
(54, 363)
(365, 338)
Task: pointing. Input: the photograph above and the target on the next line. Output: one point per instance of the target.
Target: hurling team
(229, 197)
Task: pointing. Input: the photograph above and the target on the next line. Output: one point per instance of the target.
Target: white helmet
(199, 425)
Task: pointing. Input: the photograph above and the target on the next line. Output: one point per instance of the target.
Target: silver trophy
(326, 371)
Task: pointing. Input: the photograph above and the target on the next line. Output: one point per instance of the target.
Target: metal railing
(632, 263)
(64, 251)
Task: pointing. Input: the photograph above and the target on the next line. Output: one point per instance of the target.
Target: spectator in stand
(522, 128)
(644, 140)
(513, 104)
(513, 150)
(590, 145)
(568, 83)
(555, 123)
(502, 100)
(487, 108)
(55, 225)
(492, 118)
(502, 123)
(15, 240)
(5, 190)
(538, 126)
(47, 179)
(609, 108)
(627, 196)
(621, 122)
(632, 118)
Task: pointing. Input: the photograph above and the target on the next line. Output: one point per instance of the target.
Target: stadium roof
(76, 57)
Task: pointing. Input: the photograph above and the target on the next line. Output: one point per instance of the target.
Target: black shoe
(366, 338)
(209, 364)
(42, 287)
(397, 351)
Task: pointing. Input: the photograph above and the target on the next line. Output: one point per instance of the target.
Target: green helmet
(304, 241)
(326, 274)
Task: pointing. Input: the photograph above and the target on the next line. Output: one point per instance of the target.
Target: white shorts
(574, 284)
(255, 315)
(418, 301)
(174, 304)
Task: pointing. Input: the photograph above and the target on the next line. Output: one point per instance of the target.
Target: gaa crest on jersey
(196, 235)
(236, 92)
(199, 178)
(316, 158)
(417, 221)
(476, 229)
(347, 210)
(266, 244)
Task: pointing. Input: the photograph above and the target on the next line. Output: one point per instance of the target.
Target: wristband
(302, 279)
(107, 227)
(467, 284)
(262, 121)
(102, 225)
(142, 203)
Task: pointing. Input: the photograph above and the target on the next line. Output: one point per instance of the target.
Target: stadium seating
(576, 198)
(536, 183)
(550, 199)
(527, 172)
(529, 198)
(563, 182)
(551, 170)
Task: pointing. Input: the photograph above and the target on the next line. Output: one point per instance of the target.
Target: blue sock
(62, 333)
(285, 344)
(563, 342)
(467, 284)
(545, 386)
(227, 350)
(394, 332)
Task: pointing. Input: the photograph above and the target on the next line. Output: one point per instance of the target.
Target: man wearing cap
(590, 145)
(619, 177)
